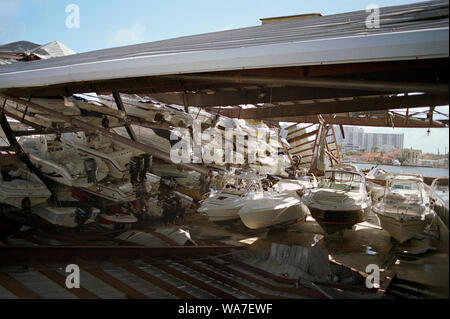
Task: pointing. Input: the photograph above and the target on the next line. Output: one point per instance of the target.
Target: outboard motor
(146, 166)
(90, 166)
(82, 215)
(172, 209)
(135, 168)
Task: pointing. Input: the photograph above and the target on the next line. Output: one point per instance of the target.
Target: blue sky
(111, 23)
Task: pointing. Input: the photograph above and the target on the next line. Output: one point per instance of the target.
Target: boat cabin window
(404, 186)
(341, 181)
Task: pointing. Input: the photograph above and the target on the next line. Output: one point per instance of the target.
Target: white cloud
(131, 35)
(226, 28)
(8, 12)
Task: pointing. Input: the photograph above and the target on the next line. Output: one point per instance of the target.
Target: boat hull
(220, 215)
(12, 193)
(401, 230)
(335, 221)
(270, 217)
(62, 216)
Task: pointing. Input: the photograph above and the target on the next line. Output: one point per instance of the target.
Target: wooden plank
(121, 107)
(11, 254)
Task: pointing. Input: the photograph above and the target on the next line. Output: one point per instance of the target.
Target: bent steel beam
(383, 86)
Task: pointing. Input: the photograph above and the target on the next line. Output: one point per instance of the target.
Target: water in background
(424, 171)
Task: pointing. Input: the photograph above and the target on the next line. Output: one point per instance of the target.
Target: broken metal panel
(261, 95)
(305, 140)
(284, 113)
(378, 118)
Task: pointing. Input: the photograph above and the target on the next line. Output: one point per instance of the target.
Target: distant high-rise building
(356, 137)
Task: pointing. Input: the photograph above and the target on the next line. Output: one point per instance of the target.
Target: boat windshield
(404, 186)
(441, 186)
(409, 189)
(344, 181)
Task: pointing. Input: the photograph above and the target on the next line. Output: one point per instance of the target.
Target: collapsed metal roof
(287, 70)
(24, 51)
(406, 32)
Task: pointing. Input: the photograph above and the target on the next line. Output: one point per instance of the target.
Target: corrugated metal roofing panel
(6, 294)
(92, 283)
(137, 283)
(210, 281)
(412, 31)
(180, 284)
(40, 284)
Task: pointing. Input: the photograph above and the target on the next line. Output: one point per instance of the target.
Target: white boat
(69, 217)
(341, 200)
(225, 204)
(346, 167)
(113, 220)
(116, 155)
(302, 184)
(376, 181)
(439, 194)
(405, 209)
(14, 189)
(64, 164)
(272, 209)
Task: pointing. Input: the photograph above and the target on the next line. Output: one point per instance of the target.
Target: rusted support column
(120, 106)
(12, 254)
(383, 86)
(22, 155)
